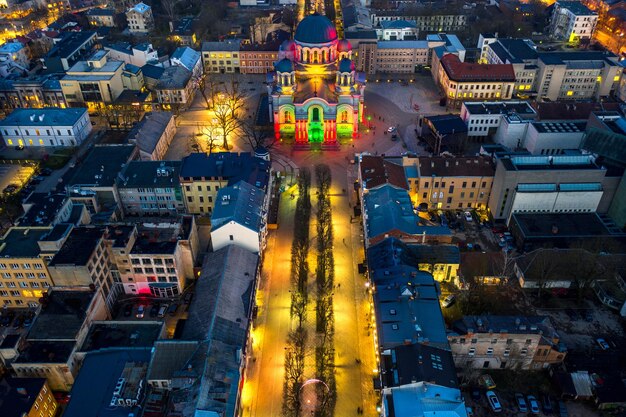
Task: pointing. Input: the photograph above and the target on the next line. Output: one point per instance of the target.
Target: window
(494, 341)
(489, 351)
(474, 341)
(529, 341)
(462, 340)
(231, 237)
(471, 352)
(507, 352)
(524, 351)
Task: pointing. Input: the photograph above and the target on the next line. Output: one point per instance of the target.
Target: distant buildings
(175, 88)
(139, 55)
(140, 19)
(572, 21)
(101, 17)
(46, 127)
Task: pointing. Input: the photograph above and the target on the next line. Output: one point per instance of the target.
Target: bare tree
(212, 134)
(208, 86)
(235, 97)
(225, 121)
(169, 7)
(257, 136)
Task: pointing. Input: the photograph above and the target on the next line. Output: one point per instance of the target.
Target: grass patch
(531, 382)
(56, 161)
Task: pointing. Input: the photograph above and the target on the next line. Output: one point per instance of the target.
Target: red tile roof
(467, 72)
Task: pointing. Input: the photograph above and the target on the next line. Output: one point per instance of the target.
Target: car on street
(602, 343)
(468, 216)
(494, 402)
(521, 402)
(141, 311)
(128, 310)
(448, 301)
(154, 310)
(533, 404)
(391, 129)
(548, 408)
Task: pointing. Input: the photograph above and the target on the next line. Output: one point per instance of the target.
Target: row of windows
(451, 189)
(22, 284)
(22, 266)
(154, 270)
(150, 261)
(489, 352)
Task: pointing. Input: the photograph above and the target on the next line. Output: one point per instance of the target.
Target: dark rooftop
(101, 166)
(121, 334)
(43, 209)
(170, 357)
(46, 352)
(17, 395)
(10, 341)
(477, 166)
(120, 234)
(21, 242)
(560, 225)
(521, 108)
(78, 247)
(376, 171)
(446, 124)
(232, 166)
(70, 43)
(161, 240)
(507, 324)
(150, 174)
(62, 315)
(418, 362)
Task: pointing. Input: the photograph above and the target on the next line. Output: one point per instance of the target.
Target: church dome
(287, 46)
(284, 65)
(344, 46)
(346, 65)
(316, 29)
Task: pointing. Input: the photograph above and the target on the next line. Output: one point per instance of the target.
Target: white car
(448, 301)
(391, 129)
(468, 216)
(494, 402)
(140, 312)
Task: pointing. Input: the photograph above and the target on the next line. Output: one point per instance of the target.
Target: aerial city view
(312, 208)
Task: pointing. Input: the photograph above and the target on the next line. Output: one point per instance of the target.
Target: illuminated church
(316, 96)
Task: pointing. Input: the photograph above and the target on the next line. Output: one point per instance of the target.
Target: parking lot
(149, 309)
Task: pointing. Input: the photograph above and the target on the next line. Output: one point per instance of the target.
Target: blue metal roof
(284, 65)
(241, 203)
(187, 57)
(233, 166)
(314, 29)
(44, 117)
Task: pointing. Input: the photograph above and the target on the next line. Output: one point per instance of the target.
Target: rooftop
(576, 8)
(398, 24)
(140, 8)
(150, 174)
(71, 42)
(559, 127)
(46, 352)
(376, 171)
(170, 357)
(148, 132)
(94, 386)
(439, 166)
(230, 45)
(174, 78)
(22, 242)
(121, 334)
(232, 166)
(470, 72)
(522, 108)
(62, 315)
(587, 58)
(187, 57)
(152, 71)
(17, 395)
(418, 362)
(241, 203)
(503, 324)
(184, 27)
(100, 12)
(402, 44)
(101, 166)
(42, 209)
(423, 399)
(79, 247)
(162, 238)
(447, 124)
(514, 51)
(44, 117)
(560, 225)
(539, 162)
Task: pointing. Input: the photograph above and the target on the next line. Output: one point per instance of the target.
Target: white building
(140, 19)
(484, 119)
(397, 30)
(139, 55)
(554, 137)
(572, 21)
(188, 58)
(46, 127)
(422, 399)
(238, 218)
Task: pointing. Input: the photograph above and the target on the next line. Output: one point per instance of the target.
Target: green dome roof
(315, 28)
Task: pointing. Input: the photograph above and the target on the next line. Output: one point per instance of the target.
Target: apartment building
(175, 89)
(139, 55)
(150, 188)
(101, 17)
(46, 127)
(462, 81)
(554, 75)
(140, 19)
(153, 135)
(401, 56)
(549, 184)
(14, 59)
(202, 176)
(94, 81)
(188, 58)
(69, 48)
(423, 22)
(484, 119)
(258, 58)
(505, 342)
(572, 21)
(397, 30)
(23, 268)
(221, 57)
(83, 260)
(32, 92)
(26, 397)
(449, 183)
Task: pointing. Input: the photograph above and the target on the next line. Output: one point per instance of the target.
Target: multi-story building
(449, 183)
(572, 21)
(83, 260)
(101, 17)
(258, 58)
(505, 342)
(549, 184)
(397, 30)
(153, 135)
(46, 127)
(69, 48)
(422, 398)
(150, 188)
(26, 397)
(188, 58)
(553, 75)
(139, 55)
(182, 32)
(238, 217)
(175, 89)
(202, 176)
(23, 264)
(463, 81)
(484, 119)
(50, 209)
(14, 59)
(140, 19)
(423, 22)
(93, 82)
(401, 56)
(161, 259)
(49, 348)
(221, 57)
(33, 92)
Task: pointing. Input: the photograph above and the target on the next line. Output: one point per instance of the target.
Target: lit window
(616, 78)
(570, 93)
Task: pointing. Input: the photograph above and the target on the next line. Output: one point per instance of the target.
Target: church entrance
(316, 128)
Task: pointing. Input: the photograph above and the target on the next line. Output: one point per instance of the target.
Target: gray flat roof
(500, 107)
(121, 334)
(44, 117)
(21, 242)
(61, 316)
(101, 166)
(145, 174)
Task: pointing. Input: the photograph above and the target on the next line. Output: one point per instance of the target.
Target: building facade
(140, 19)
(46, 127)
(572, 21)
(221, 57)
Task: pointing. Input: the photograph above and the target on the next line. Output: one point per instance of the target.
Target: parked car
(494, 402)
(562, 409)
(141, 311)
(548, 408)
(391, 129)
(533, 404)
(155, 309)
(448, 301)
(521, 402)
(162, 311)
(128, 310)
(468, 216)
(602, 343)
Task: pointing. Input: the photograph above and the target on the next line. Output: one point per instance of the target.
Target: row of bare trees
(295, 352)
(324, 277)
